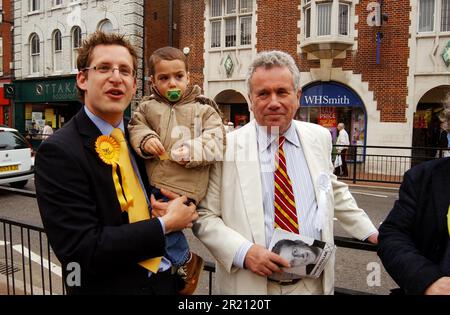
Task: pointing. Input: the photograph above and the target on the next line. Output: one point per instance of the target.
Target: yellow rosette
(108, 150)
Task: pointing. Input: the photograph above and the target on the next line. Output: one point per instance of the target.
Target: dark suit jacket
(83, 218)
(414, 236)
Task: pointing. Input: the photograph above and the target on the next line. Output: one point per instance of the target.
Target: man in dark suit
(414, 243)
(77, 195)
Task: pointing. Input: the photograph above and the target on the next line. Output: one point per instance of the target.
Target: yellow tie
(136, 203)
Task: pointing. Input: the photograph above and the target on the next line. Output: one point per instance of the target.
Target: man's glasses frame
(124, 71)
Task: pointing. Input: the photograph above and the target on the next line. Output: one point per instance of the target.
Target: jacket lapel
(87, 129)
(248, 169)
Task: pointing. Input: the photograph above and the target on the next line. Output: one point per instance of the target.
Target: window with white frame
(34, 5)
(105, 26)
(57, 2)
(326, 17)
(1, 54)
(57, 50)
(35, 52)
(344, 18)
(426, 15)
(445, 16)
(76, 44)
(230, 23)
(429, 21)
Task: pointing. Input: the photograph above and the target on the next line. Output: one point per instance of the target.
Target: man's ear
(81, 80)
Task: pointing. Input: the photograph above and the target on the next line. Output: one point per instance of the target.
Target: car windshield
(10, 140)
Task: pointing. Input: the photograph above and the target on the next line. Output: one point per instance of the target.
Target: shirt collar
(104, 127)
(265, 139)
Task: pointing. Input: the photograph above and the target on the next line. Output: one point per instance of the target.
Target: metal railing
(384, 164)
(29, 266)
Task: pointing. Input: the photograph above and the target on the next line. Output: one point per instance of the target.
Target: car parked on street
(16, 159)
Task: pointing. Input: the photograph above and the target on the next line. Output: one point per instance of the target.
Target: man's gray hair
(273, 58)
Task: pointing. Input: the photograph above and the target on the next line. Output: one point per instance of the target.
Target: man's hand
(439, 287)
(373, 238)
(179, 216)
(263, 262)
(159, 208)
(154, 147)
(181, 155)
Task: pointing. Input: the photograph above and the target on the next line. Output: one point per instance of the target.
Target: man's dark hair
(99, 38)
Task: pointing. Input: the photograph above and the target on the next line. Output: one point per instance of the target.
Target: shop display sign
(327, 117)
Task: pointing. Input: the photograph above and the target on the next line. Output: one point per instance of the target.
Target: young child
(180, 133)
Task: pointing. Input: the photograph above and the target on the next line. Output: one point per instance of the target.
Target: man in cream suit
(236, 218)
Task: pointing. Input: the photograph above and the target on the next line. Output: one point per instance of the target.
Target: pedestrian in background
(48, 130)
(341, 149)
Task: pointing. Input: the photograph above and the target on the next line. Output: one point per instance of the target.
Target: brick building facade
(385, 78)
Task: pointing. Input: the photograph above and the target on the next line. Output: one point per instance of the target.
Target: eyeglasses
(124, 71)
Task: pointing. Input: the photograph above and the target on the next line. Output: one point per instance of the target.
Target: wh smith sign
(329, 94)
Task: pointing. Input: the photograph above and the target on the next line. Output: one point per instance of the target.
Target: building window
(324, 19)
(1, 54)
(322, 15)
(445, 16)
(230, 23)
(215, 33)
(426, 15)
(343, 18)
(429, 21)
(105, 26)
(57, 2)
(34, 5)
(35, 52)
(308, 22)
(57, 50)
(76, 43)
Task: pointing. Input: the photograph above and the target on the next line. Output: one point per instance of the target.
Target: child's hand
(181, 155)
(154, 146)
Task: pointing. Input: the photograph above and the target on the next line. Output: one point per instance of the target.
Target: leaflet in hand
(306, 255)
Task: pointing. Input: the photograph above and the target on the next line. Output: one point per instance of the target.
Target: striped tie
(285, 212)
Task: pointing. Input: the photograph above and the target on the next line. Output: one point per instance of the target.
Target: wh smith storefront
(330, 103)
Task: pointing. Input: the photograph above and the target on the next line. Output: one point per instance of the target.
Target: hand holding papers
(306, 256)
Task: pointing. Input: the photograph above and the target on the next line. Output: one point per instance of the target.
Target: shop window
(57, 50)
(76, 44)
(230, 23)
(329, 104)
(35, 52)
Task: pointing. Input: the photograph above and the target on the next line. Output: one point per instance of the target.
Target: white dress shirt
(297, 168)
